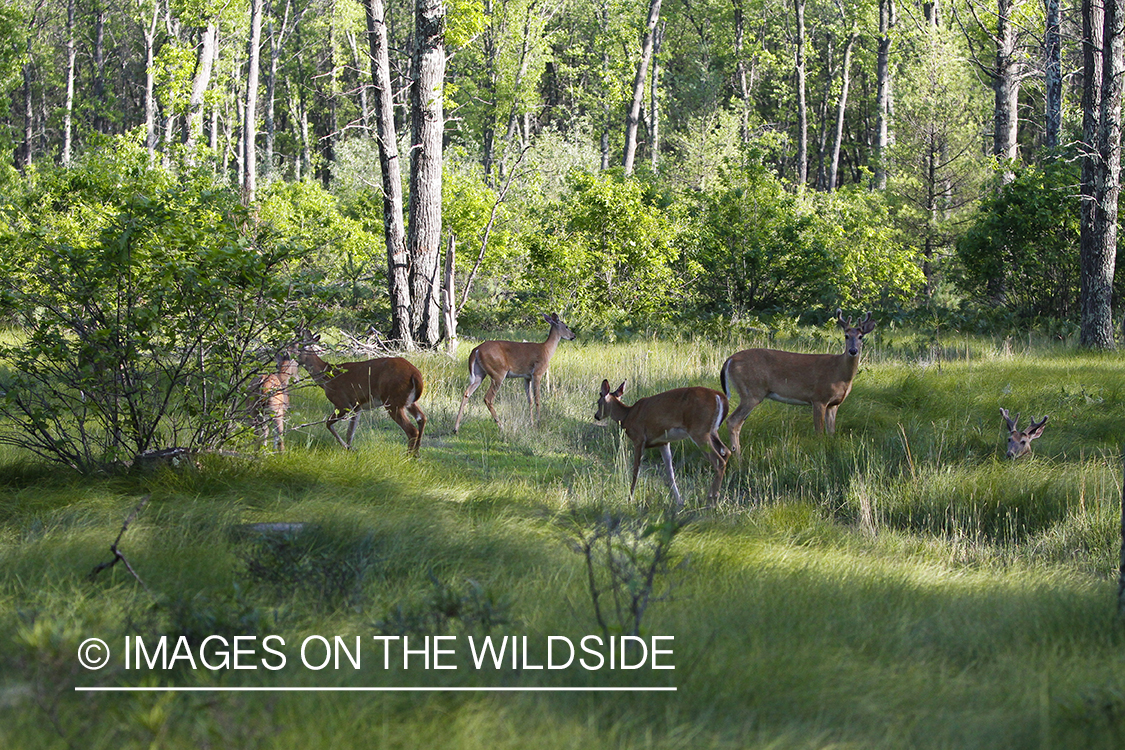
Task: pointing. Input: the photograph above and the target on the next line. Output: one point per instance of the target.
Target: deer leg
(666, 452)
(474, 382)
(818, 411)
(638, 449)
(719, 461)
(527, 387)
(336, 417)
(535, 382)
(413, 436)
(746, 405)
(419, 417)
(490, 396)
(351, 427)
(830, 419)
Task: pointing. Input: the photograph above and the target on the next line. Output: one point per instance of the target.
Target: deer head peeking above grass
(1019, 441)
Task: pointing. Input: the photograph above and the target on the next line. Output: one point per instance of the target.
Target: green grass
(899, 585)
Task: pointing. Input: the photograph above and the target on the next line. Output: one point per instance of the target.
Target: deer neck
(552, 342)
(316, 367)
(848, 366)
(617, 411)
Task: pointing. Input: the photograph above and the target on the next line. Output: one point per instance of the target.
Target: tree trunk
(740, 71)
(841, 107)
(448, 308)
(394, 233)
(151, 133)
(1053, 77)
(208, 43)
(883, 105)
(802, 106)
(427, 128)
(1101, 103)
(250, 124)
(101, 123)
(654, 147)
(1006, 88)
(634, 116)
(68, 112)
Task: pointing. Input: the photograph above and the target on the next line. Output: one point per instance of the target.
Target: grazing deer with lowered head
(1019, 441)
(821, 380)
(352, 387)
(268, 400)
(656, 421)
(502, 359)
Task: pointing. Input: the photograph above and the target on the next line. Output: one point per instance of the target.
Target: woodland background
(641, 165)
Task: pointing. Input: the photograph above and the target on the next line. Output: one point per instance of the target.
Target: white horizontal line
(150, 689)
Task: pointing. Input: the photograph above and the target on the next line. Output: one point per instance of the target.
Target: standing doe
(352, 387)
(268, 400)
(822, 380)
(656, 421)
(500, 359)
(1019, 441)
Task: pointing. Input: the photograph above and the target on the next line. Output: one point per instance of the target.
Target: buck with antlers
(1019, 441)
(352, 387)
(268, 400)
(656, 421)
(502, 359)
(821, 380)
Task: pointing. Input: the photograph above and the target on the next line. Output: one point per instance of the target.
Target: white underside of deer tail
(724, 377)
(410, 397)
(476, 372)
(720, 413)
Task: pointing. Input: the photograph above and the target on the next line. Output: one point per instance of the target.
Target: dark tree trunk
(394, 233)
(654, 91)
(427, 128)
(1053, 77)
(1101, 102)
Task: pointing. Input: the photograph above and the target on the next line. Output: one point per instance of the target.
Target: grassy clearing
(898, 586)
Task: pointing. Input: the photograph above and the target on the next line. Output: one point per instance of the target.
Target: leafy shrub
(473, 609)
(143, 298)
(1021, 253)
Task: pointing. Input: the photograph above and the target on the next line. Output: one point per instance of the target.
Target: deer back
(389, 381)
(694, 411)
(792, 376)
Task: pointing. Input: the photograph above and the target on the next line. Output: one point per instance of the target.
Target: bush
(1021, 252)
(144, 298)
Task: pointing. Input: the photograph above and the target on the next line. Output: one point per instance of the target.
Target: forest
(650, 166)
(267, 263)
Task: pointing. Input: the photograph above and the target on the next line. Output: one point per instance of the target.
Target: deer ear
(1036, 429)
(868, 325)
(620, 389)
(605, 387)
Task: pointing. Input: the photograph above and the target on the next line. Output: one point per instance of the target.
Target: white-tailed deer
(352, 387)
(1019, 441)
(822, 380)
(268, 400)
(502, 359)
(656, 421)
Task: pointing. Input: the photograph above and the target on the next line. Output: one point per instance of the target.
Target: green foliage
(143, 298)
(342, 260)
(1021, 252)
(446, 607)
(607, 253)
(759, 249)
